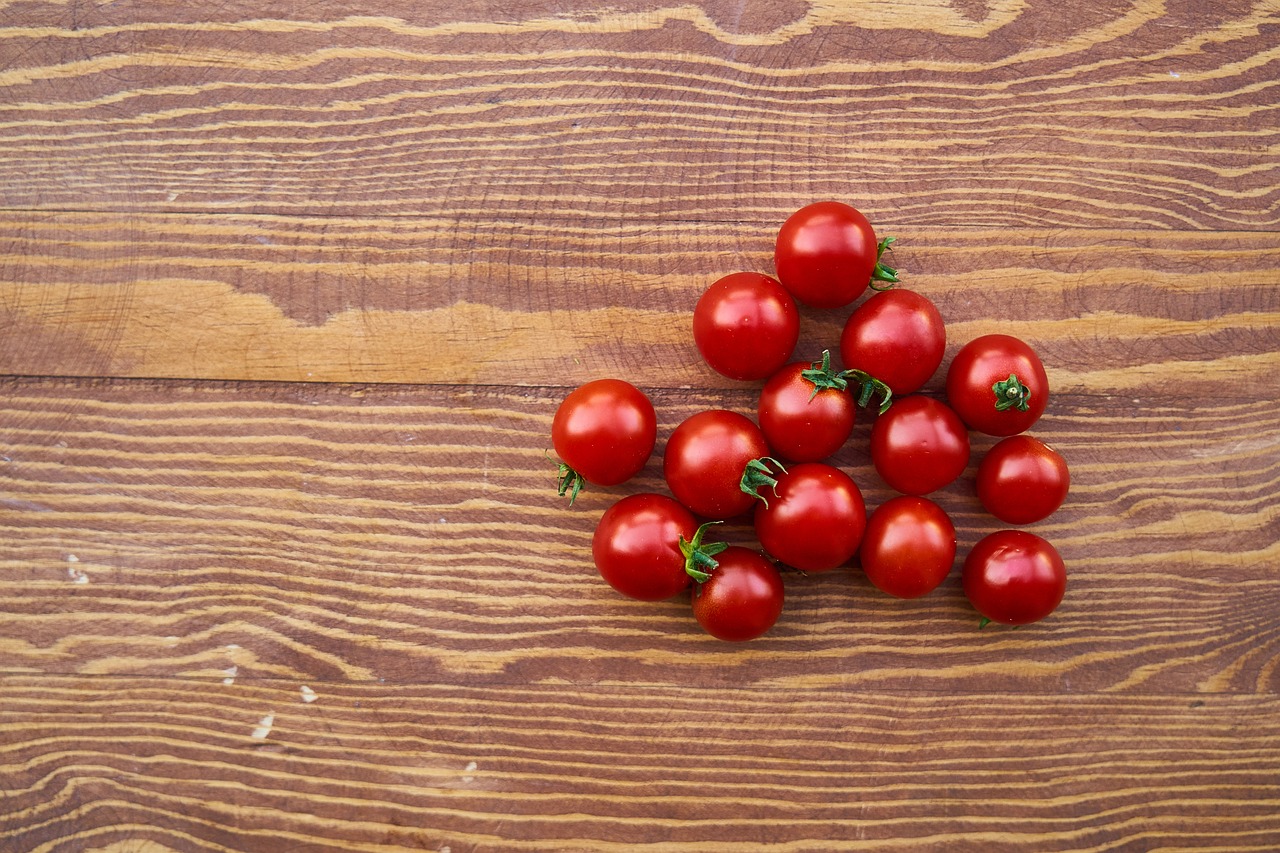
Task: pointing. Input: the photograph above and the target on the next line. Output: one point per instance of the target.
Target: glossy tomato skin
(746, 325)
(975, 371)
(636, 546)
(909, 546)
(814, 518)
(1014, 577)
(1022, 480)
(742, 599)
(705, 458)
(898, 337)
(825, 254)
(919, 445)
(799, 425)
(605, 431)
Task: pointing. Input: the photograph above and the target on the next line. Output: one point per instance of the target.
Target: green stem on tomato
(882, 272)
(757, 474)
(868, 387)
(569, 481)
(823, 376)
(1011, 394)
(699, 559)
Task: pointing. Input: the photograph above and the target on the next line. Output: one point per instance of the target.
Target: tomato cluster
(807, 513)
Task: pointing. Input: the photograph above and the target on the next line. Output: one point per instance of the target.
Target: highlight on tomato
(909, 546)
(603, 432)
(1022, 480)
(1014, 577)
(741, 597)
(827, 255)
(637, 546)
(810, 517)
(898, 336)
(919, 445)
(705, 458)
(807, 411)
(746, 325)
(997, 384)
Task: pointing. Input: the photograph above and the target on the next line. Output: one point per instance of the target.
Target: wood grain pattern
(515, 767)
(308, 532)
(1021, 113)
(527, 302)
(289, 293)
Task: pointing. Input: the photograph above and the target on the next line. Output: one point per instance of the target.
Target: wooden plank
(1008, 114)
(412, 535)
(170, 764)
(533, 302)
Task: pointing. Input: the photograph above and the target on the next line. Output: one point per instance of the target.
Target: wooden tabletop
(289, 293)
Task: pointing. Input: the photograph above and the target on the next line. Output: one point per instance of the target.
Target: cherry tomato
(909, 546)
(1022, 480)
(742, 598)
(746, 325)
(896, 336)
(826, 255)
(997, 385)
(812, 519)
(705, 458)
(806, 419)
(1014, 577)
(919, 445)
(636, 546)
(604, 432)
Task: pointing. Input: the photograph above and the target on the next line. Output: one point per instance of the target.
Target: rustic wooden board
(147, 764)
(525, 302)
(289, 293)
(987, 112)
(414, 534)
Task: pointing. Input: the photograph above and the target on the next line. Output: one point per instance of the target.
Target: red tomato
(813, 519)
(1022, 480)
(919, 445)
(909, 546)
(806, 420)
(636, 546)
(705, 458)
(746, 325)
(1014, 577)
(603, 432)
(827, 254)
(896, 336)
(742, 598)
(997, 385)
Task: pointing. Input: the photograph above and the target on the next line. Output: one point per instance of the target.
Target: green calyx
(868, 387)
(881, 272)
(569, 481)
(824, 378)
(699, 558)
(1011, 394)
(758, 474)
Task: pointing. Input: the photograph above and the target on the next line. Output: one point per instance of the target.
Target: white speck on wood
(72, 558)
(264, 727)
(308, 695)
(77, 576)
(468, 770)
(231, 672)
